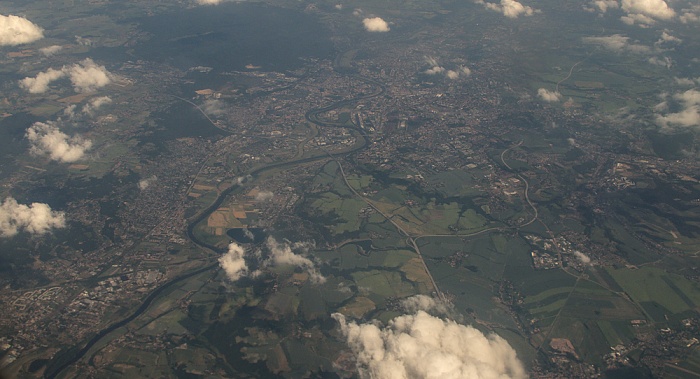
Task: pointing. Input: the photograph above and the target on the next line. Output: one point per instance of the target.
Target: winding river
(69, 357)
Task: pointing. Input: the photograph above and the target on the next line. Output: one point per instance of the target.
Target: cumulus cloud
(655, 9)
(208, 2)
(279, 253)
(47, 139)
(145, 183)
(435, 68)
(617, 43)
(50, 50)
(282, 254)
(509, 8)
(582, 257)
(691, 14)
(40, 83)
(451, 74)
(15, 30)
(688, 82)
(95, 104)
(233, 263)
(425, 346)
(36, 218)
(214, 107)
(87, 76)
(604, 5)
(687, 115)
(426, 304)
(264, 196)
(548, 96)
(375, 24)
(661, 61)
(667, 39)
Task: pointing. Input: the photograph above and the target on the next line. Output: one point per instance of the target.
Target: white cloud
(41, 82)
(426, 304)
(688, 82)
(548, 96)
(656, 9)
(36, 218)
(688, 114)
(47, 139)
(451, 74)
(95, 104)
(604, 5)
(375, 24)
(233, 263)
(582, 257)
(509, 8)
(435, 70)
(423, 346)
(282, 254)
(15, 30)
(50, 50)
(661, 61)
(264, 196)
(208, 2)
(617, 43)
(87, 76)
(145, 183)
(691, 14)
(214, 107)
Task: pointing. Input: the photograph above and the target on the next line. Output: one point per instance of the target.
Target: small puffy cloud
(264, 196)
(585, 259)
(655, 9)
(15, 30)
(426, 304)
(50, 50)
(661, 61)
(423, 346)
(617, 43)
(548, 96)
(282, 254)
(688, 82)
(95, 104)
(87, 76)
(603, 5)
(145, 183)
(509, 8)
(690, 15)
(688, 111)
(451, 74)
(36, 218)
(667, 39)
(214, 107)
(47, 139)
(40, 83)
(208, 2)
(375, 24)
(434, 70)
(233, 262)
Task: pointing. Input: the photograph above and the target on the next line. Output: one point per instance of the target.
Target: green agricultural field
(653, 285)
